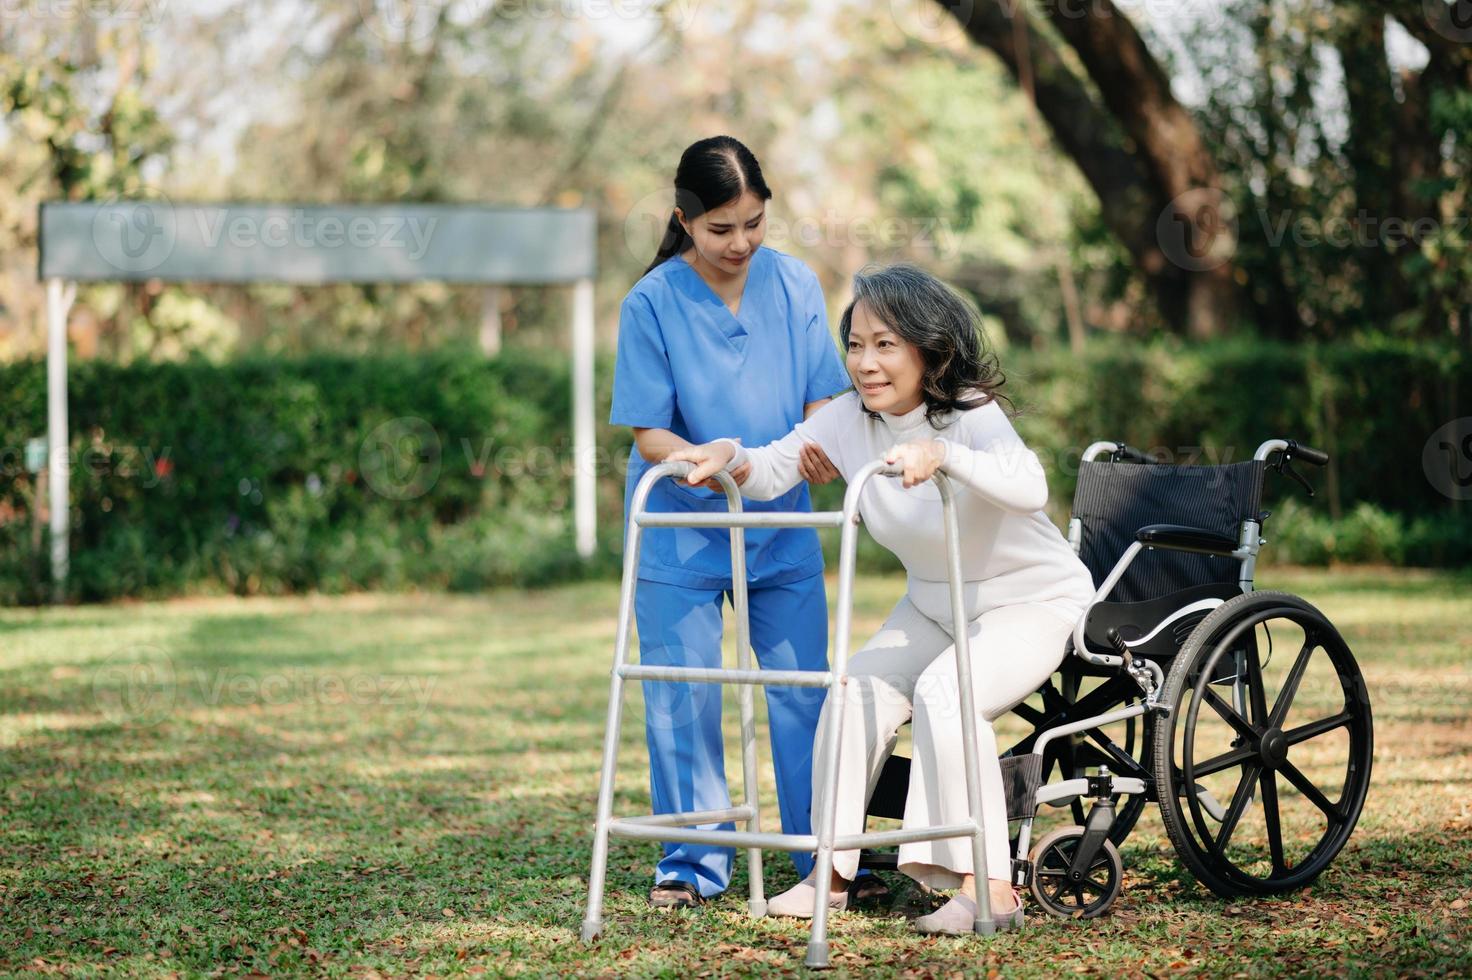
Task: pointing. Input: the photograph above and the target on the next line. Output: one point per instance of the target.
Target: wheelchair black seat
(1154, 628)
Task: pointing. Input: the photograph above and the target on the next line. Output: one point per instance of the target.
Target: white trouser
(909, 668)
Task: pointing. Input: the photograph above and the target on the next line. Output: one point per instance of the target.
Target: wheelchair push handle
(1288, 450)
(1129, 454)
(1116, 452)
(1308, 454)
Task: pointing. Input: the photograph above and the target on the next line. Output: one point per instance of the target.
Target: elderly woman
(927, 398)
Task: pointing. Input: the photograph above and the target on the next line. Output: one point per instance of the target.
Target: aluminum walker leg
(593, 917)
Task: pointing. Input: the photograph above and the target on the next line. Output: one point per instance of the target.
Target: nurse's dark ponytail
(713, 172)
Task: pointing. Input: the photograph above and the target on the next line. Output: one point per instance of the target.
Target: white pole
(490, 321)
(584, 451)
(59, 296)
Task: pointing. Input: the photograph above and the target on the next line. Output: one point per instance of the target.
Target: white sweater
(1010, 551)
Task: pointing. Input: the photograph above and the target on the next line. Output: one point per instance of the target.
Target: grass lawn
(405, 785)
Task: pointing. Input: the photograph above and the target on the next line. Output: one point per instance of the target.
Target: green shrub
(275, 476)
(283, 475)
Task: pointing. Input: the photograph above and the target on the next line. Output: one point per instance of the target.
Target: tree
(1396, 179)
(1139, 149)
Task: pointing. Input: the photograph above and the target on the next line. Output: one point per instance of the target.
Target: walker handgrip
(890, 469)
(679, 468)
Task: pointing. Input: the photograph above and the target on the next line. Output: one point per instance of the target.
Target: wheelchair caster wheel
(1089, 896)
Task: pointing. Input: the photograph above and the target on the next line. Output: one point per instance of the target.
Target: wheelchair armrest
(1177, 537)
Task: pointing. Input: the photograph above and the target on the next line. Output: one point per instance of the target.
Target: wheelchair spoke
(1226, 760)
(1239, 805)
(1268, 782)
(1316, 728)
(1290, 684)
(1229, 714)
(1087, 756)
(1258, 703)
(1028, 714)
(1308, 789)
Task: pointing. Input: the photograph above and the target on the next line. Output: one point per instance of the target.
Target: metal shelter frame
(145, 240)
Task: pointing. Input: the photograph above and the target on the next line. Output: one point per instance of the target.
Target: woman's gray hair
(961, 371)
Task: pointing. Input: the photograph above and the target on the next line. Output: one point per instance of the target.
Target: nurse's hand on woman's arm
(813, 465)
(661, 445)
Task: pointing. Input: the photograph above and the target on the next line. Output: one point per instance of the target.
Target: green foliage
(1371, 405)
(451, 471)
(270, 476)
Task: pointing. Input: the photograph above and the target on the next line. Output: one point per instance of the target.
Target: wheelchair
(1176, 649)
(1175, 646)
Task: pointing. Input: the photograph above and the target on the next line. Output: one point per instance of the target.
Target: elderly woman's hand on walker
(919, 460)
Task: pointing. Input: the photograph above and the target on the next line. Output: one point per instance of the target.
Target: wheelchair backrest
(1114, 500)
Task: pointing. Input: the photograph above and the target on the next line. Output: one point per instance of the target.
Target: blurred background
(1192, 225)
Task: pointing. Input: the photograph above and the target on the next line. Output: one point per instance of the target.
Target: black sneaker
(675, 894)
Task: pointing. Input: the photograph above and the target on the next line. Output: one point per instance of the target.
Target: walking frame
(1199, 639)
(679, 826)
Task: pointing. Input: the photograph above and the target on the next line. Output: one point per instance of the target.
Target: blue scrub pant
(681, 626)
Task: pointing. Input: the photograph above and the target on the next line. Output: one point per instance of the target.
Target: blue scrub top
(686, 364)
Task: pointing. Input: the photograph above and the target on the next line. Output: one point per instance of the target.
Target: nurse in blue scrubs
(723, 337)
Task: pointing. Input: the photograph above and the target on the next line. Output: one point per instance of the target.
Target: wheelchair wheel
(1089, 896)
(1264, 762)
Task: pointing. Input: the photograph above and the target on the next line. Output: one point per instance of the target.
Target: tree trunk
(1140, 151)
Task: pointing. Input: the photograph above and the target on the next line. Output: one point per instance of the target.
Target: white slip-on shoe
(797, 901)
